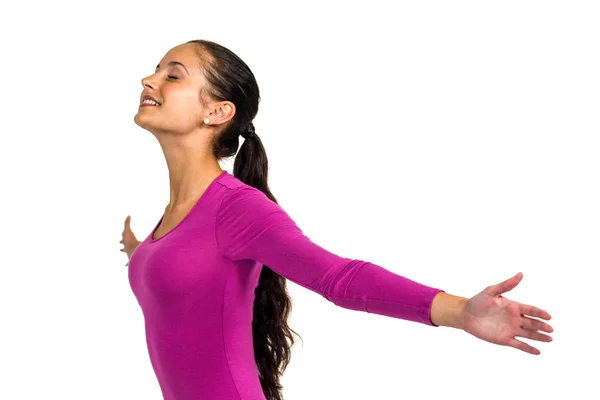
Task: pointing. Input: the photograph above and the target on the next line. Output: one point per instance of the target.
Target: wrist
(133, 249)
(448, 310)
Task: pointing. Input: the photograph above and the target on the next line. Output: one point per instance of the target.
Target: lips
(149, 101)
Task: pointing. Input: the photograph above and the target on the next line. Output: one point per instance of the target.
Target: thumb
(503, 287)
(127, 221)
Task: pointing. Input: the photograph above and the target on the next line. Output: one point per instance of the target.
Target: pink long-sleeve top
(195, 286)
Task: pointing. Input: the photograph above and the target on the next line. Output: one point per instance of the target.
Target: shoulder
(234, 189)
(239, 197)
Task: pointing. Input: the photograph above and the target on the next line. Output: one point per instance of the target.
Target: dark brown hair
(230, 79)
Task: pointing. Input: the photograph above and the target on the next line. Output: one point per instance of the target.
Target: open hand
(129, 240)
(495, 319)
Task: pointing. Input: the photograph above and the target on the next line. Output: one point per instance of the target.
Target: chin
(142, 121)
(149, 124)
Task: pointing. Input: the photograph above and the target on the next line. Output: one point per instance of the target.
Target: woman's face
(176, 87)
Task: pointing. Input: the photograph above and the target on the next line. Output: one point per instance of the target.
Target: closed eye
(172, 77)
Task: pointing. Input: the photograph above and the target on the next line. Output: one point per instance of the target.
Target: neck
(192, 168)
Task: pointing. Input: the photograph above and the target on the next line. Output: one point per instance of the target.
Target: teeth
(148, 101)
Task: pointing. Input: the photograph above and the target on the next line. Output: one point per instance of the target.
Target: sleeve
(249, 225)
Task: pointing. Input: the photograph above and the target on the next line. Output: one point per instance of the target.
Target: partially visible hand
(129, 240)
(495, 319)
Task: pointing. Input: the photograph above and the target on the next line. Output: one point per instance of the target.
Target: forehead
(187, 54)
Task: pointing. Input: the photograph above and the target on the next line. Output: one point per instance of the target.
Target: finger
(535, 325)
(534, 335)
(503, 287)
(534, 312)
(127, 221)
(517, 344)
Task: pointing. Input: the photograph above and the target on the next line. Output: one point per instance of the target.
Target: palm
(496, 319)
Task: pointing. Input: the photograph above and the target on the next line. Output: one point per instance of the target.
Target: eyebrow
(173, 63)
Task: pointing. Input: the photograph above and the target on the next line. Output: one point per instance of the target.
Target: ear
(221, 112)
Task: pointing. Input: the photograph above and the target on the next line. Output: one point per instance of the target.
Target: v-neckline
(202, 196)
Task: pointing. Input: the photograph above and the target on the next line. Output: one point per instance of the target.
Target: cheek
(182, 111)
(183, 102)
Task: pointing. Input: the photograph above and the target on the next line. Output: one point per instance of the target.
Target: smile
(149, 102)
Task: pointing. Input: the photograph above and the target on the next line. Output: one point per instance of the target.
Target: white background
(455, 143)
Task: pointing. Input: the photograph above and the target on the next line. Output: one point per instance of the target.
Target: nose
(148, 82)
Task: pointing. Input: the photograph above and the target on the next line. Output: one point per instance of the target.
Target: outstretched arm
(250, 226)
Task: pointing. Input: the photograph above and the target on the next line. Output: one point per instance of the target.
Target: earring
(206, 121)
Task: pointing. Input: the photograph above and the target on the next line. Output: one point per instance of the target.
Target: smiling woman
(210, 277)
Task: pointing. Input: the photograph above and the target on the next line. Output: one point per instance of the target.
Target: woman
(211, 276)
